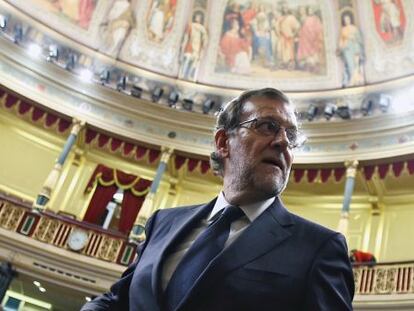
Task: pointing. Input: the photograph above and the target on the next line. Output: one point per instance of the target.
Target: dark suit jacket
(280, 262)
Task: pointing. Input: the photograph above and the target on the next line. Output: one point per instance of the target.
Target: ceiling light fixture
(188, 104)
(312, 112)
(366, 106)
(136, 91)
(71, 61)
(329, 111)
(3, 22)
(53, 54)
(344, 112)
(18, 33)
(208, 105)
(105, 76)
(121, 84)
(157, 94)
(173, 98)
(384, 102)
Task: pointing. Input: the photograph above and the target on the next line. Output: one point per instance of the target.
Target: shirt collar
(252, 210)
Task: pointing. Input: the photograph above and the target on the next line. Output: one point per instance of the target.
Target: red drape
(109, 180)
(383, 170)
(298, 174)
(325, 174)
(179, 161)
(369, 171)
(312, 174)
(100, 199)
(131, 205)
(397, 168)
(339, 173)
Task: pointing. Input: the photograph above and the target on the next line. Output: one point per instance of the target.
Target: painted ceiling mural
(296, 45)
(390, 42)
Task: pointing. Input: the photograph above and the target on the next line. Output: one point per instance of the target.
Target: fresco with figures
(268, 38)
(153, 42)
(77, 19)
(265, 42)
(115, 25)
(389, 45)
(194, 42)
(389, 20)
(78, 12)
(294, 45)
(160, 19)
(351, 50)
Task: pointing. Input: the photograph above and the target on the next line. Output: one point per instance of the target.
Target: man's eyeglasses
(268, 127)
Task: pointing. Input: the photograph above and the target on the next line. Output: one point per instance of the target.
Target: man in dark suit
(243, 250)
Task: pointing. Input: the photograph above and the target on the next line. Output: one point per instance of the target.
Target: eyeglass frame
(300, 138)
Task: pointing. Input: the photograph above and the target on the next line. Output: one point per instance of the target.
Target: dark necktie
(204, 249)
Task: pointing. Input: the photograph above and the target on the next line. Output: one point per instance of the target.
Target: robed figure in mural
(119, 20)
(236, 50)
(161, 19)
(310, 42)
(351, 50)
(391, 19)
(288, 28)
(194, 43)
(79, 11)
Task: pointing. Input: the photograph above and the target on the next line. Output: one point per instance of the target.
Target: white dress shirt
(252, 211)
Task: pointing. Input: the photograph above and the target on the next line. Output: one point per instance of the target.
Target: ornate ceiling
(294, 45)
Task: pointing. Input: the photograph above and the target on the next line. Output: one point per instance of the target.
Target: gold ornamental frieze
(10, 216)
(46, 229)
(109, 248)
(384, 279)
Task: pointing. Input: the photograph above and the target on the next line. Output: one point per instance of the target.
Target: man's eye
(267, 126)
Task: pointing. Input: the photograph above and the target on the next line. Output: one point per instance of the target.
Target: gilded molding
(351, 168)
(77, 125)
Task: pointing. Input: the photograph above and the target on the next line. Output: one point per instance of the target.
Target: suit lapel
(181, 225)
(263, 235)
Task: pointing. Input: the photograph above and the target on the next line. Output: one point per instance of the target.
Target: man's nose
(280, 139)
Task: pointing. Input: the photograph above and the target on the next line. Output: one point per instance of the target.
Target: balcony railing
(384, 278)
(54, 229)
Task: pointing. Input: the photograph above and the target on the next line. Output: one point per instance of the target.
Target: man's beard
(248, 177)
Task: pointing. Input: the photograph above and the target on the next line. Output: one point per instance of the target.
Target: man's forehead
(268, 105)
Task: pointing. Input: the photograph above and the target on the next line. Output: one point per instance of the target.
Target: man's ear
(221, 140)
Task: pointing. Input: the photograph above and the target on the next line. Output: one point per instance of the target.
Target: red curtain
(131, 205)
(325, 174)
(100, 199)
(109, 180)
(312, 174)
(298, 174)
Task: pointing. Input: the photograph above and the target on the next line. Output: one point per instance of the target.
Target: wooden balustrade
(54, 229)
(384, 278)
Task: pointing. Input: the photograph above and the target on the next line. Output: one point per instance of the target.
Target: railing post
(351, 169)
(53, 177)
(148, 207)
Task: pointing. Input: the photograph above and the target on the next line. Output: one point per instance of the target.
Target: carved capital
(166, 153)
(351, 168)
(77, 125)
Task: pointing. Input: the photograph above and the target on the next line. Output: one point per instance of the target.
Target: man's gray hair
(229, 117)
